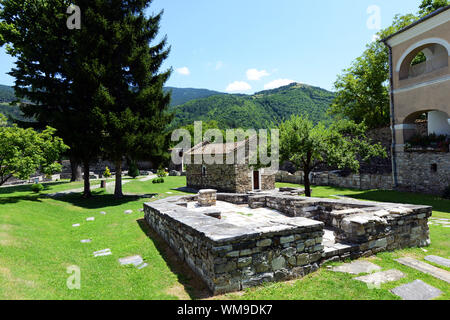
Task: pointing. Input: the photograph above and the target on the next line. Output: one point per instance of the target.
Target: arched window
(423, 59)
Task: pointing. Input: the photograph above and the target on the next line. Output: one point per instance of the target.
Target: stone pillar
(207, 197)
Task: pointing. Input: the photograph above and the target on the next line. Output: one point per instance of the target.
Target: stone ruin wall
(243, 263)
(335, 179)
(252, 260)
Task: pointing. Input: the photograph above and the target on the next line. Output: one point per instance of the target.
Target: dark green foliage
(182, 95)
(133, 170)
(161, 173)
(446, 194)
(428, 6)
(257, 111)
(158, 180)
(36, 188)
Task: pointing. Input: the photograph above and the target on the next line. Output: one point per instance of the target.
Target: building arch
(436, 51)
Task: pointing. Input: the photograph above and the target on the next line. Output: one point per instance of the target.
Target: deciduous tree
(342, 144)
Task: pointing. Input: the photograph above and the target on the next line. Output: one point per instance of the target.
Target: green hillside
(183, 95)
(179, 95)
(229, 110)
(6, 94)
(256, 111)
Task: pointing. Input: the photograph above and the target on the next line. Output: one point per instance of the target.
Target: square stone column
(207, 197)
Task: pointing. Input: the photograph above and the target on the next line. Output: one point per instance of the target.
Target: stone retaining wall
(423, 172)
(335, 179)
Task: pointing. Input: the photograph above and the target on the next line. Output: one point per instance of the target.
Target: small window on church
(434, 167)
(203, 171)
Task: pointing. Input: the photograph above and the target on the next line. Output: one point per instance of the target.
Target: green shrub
(37, 187)
(446, 194)
(158, 180)
(161, 173)
(133, 170)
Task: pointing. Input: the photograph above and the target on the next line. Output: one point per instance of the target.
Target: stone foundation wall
(247, 260)
(415, 172)
(233, 257)
(335, 179)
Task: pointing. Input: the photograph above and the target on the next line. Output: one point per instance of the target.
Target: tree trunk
(87, 183)
(118, 188)
(77, 173)
(307, 184)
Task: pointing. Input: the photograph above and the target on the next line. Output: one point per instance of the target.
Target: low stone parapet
(282, 238)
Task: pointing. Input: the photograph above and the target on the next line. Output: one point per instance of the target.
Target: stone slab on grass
(76, 225)
(357, 267)
(101, 253)
(90, 219)
(417, 290)
(86, 241)
(439, 260)
(382, 277)
(134, 260)
(426, 268)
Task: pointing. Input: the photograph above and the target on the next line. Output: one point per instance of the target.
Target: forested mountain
(179, 95)
(258, 110)
(183, 95)
(6, 94)
(230, 110)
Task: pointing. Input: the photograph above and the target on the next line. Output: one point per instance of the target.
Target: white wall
(438, 123)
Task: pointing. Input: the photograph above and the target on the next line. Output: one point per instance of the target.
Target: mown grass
(38, 243)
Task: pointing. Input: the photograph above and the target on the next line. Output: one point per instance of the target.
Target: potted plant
(106, 174)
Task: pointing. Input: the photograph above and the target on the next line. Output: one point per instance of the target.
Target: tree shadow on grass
(17, 199)
(192, 283)
(27, 187)
(98, 200)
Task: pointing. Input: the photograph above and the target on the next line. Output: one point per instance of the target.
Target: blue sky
(250, 45)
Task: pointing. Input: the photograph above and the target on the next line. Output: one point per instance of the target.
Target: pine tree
(132, 101)
(54, 73)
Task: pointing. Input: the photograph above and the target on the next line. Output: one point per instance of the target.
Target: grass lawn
(38, 243)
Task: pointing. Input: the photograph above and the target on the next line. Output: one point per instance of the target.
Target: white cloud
(184, 71)
(238, 86)
(278, 83)
(255, 75)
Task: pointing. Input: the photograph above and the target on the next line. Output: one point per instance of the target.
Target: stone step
(417, 290)
(426, 268)
(382, 277)
(438, 260)
(357, 267)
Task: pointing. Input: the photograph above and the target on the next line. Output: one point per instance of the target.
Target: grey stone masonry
(270, 237)
(207, 197)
